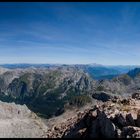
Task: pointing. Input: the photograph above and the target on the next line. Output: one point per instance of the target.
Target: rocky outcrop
(130, 132)
(102, 96)
(130, 120)
(107, 120)
(138, 119)
(136, 96)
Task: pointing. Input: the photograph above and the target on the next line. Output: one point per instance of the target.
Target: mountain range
(97, 71)
(50, 90)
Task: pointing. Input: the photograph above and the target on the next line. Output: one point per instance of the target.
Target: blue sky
(70, 33)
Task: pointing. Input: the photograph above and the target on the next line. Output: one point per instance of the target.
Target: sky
(70, 32)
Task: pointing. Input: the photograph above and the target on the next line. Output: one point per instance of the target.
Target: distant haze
(70, 33)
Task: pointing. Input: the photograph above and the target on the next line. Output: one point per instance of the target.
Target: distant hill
(133, 73)
(123, 84)
(96, 71)
(14, 66)
(101, 72)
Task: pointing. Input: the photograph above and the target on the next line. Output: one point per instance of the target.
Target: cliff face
(18, 121)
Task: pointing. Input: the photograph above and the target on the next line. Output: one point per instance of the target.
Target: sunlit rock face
(17, 121)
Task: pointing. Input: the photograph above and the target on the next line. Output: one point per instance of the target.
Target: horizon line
(68, 64)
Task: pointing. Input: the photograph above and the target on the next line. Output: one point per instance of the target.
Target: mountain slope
(124, 84)
(133, 73)
(18, 121)
(46, 91)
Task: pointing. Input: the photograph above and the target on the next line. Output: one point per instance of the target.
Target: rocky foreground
(117, 118)
(17, 121)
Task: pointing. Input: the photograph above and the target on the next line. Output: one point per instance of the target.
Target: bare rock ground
(17, 121)
(118, 118)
